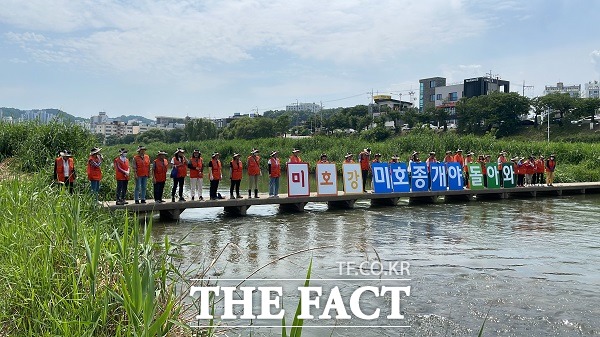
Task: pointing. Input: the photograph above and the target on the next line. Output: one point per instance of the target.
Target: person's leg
(181, 180)
(200, 187)
(193, 187)
(231, 186)
(277, 186)
(175, 182)
(365, 174)
(144, 188)
(136, 190)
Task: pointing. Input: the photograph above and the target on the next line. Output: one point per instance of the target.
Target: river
(534, 264)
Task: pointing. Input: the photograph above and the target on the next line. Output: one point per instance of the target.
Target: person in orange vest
(501, 160)
(458, 158)
(215, 175)
(274, 167)
(94, 172)
(550, 167)
(179, 162)
(236, 170)
(520, 172)
(254, 172)
(529, 168)
(323, 159)
(121, 164)
(538, 177)
(364, 158)
(160, 167)
(196, 166)
(482, 160)
(64, 170)
(449, 158)
(141, 170)
(394, 159)
(294, 158)
(348, 158)
(431, 159)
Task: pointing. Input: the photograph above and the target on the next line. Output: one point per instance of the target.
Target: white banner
(298, 185)
(326, 179)
(352, 178)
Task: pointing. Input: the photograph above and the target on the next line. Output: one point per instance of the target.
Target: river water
(534, 264)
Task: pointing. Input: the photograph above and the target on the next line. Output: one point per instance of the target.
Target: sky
(209, 58)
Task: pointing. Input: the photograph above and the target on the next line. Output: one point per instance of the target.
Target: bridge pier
(385, 202)
(341, 204)
(297, 207)
(236, 210)
(171, 214)
(422, 200)
(462, 197)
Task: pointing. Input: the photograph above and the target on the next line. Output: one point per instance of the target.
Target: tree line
(497, 113)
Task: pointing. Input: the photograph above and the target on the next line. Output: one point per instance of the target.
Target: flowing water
(533, 263)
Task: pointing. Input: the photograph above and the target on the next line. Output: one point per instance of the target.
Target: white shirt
(66, 167)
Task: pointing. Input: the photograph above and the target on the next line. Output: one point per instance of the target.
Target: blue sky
(207, 58)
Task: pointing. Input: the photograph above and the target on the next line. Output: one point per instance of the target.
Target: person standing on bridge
(323, 159)
(196, 166)
(236, 170)
(449, 158)
(159, 175)
(179, 163)
(254, 172)
(364, 158)
(348, 158)
(94, 172)
(121, 164)
(538, 177)
(550, 167)
(141, 168)
(215, 175)
(274, 167)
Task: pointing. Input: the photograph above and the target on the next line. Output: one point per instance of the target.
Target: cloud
(596, 59)
(457, 74)
(176, 36)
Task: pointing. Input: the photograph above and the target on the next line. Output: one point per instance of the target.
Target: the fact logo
(326, 301)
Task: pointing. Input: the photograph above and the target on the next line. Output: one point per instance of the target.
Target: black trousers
(159, 189)
(121, 189)
(214, 185)
(365, 176)
(177, 182)
(69, 185)
(235, 184)
(520, 179)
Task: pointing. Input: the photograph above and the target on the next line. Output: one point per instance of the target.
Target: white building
(310, 107)
(591, 89)
(447, 96)
(573, 90)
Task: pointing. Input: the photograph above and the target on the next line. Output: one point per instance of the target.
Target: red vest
(237, 169)
(94, 172)
(160, 170)
(142, 165)
(60, 169)
(364, 158)
(119, 165)
(216, 169)
(275, 168)
(181, 165)
(197, 165)
(253, 165)
(295, 159)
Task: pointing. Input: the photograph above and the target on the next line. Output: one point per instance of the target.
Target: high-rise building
(591, 89)
(427, 91)
(484, 85)
(310, 107)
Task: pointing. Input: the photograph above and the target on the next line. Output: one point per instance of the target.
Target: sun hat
(95, 150)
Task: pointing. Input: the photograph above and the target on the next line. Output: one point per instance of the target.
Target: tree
(250, 128)
(585, 107)
(282, 124)
(200, 129)
(151, 136)
(175, 136)
(497, 111)
(561, 103)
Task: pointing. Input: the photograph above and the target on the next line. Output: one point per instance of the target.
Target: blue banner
(382, 180)
(439, 179)
(419, 178)
(400, 179)
(455, 176)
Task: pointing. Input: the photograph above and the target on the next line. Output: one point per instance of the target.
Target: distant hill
(18, 114)
(124, 118)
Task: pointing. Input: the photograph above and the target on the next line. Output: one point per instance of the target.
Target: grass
(68, 272)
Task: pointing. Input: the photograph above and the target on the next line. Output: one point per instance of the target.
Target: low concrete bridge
(172, 210)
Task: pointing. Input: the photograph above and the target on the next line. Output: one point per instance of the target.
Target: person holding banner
(274, 167)
(294, 158)
(364, 158)
(348, 158)
(323, 159)
(481, 161)
(377, 158)
(394, 159)
(449, 158)
(458, 158)
(550, 167)
(501, 160)
(431, 159)
(414, 158)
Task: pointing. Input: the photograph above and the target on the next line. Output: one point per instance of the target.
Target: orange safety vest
(468, 160)
(501, 160)
(458, 158)
(120, 165)
(529, 167)
(539, 166)
(198, 166)
(160, 170)
(449, 159)
(60, 169)
(216, 169)
(348, 161)
(295, 159)
(142, 165)
(237, 169)
(364, 159)
(275, 168)
(181, 166)
(94, 172)
(323, 162)
(253, 165)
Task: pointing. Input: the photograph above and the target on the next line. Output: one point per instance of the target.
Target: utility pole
(526, 86)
